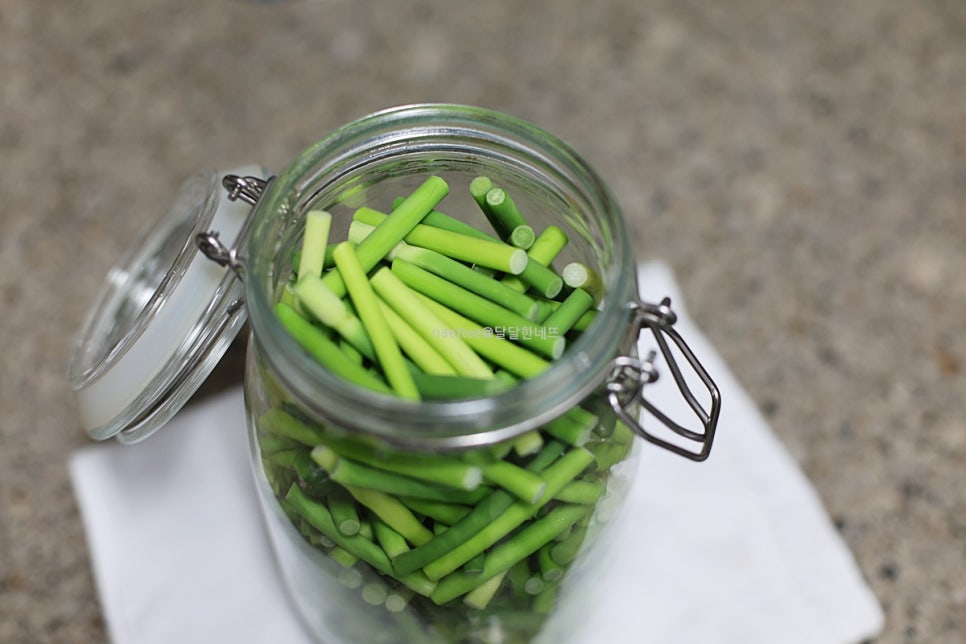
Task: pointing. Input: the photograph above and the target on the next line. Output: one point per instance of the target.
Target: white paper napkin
(737, 549)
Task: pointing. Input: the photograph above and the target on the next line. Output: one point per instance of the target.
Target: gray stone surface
(802, 166)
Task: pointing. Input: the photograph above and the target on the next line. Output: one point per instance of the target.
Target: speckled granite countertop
(802, 166)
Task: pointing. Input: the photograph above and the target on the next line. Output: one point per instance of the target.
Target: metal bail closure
(630, 377)
(165, 314)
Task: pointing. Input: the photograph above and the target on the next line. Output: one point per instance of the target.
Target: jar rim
(440, 424)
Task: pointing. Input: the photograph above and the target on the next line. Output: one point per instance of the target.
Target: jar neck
(382, 152)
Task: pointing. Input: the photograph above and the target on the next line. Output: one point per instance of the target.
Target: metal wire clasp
(249, 190)
(630, 376)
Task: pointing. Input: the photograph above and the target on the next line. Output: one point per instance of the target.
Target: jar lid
(164, 317)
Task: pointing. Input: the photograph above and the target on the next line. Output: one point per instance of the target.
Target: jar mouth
(374, 158)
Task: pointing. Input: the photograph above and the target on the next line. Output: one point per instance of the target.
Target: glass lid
(164, 317)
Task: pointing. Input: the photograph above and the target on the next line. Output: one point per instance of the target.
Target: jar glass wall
(510, 554)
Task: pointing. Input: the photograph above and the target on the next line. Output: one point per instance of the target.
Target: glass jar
(369, 559)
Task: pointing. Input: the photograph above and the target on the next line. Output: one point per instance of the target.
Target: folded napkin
(737, 549)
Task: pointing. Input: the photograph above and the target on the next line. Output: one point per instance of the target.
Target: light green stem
(329, 309)
(556, 476)
(580, 275)
(550, 570)
(481, 596)
(514, 358)
(396, 515)
(352, 474)
(416, 347)
(479, 309)
(574, 427)
(393, 229)
(526, 444)
(393, 543)
(411, 308)
(319, 518)
(523, 544)
(278, 422)
(581, 492)
(476, 520)
(436, 387)
(448, 513)
(325, 351)
(314, 242)
(452, 224)
(492, 254)
(537, 275)
(474, 281)
(525, 485)
(441, 469)
(570, 310)
(343, 510)
(478, 189)
(514, 228)
(383, 340)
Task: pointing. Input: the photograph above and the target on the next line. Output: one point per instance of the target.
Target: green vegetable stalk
(404, 301)
(395, 227)
(418, 304)
(537, 274)
(314, 242)
(481, 310)
(384, 342)
(492, 254)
